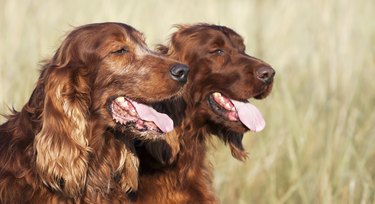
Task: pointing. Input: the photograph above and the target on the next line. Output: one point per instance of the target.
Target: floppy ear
(61, 146)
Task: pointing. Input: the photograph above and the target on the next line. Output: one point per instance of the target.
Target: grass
(318, 146)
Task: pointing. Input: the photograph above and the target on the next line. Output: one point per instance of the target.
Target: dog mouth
(237, 111)
(142, 117)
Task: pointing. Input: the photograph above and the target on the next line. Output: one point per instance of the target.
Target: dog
(72, 141)
(215, 102)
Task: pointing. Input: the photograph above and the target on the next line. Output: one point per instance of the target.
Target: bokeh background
(319, 143)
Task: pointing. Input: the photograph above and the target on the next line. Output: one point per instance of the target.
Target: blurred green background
(319, 143)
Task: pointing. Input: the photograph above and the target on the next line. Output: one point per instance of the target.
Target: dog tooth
(120, 99)
(216, 94)
(133, 112)
(222, 100)
(228, 106)
(125, 104)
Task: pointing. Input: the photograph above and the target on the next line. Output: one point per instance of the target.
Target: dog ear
(175, 44)
(162, 49)
(130, 168)
(61, 146)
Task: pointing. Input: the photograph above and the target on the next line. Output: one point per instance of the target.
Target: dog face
(221, 80)
(102, 77)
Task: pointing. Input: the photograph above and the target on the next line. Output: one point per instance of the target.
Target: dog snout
(179, 72)
(265, 74)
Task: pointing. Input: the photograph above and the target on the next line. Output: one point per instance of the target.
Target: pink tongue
(249, 115)
(163, 121)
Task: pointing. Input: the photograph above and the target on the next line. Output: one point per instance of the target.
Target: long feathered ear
(61, 147)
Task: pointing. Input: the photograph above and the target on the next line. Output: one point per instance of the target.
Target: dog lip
(222, 106)
(124, 113)
(262, 94)
(234, 110)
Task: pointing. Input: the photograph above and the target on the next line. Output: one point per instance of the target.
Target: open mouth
(237, 111)
(144, 118)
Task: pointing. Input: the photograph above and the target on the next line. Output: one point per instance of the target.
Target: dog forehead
(209, 36)
(116, 41)
(111, 32)
(230, 39)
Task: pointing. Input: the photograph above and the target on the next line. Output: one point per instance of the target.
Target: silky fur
(63, 146)
(218, 63)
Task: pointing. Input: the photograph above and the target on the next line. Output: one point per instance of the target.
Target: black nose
(265, 74)
(179, 72)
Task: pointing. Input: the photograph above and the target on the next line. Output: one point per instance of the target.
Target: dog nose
(179, 72)
(265, 74)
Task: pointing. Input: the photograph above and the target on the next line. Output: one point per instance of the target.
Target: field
(319, 143)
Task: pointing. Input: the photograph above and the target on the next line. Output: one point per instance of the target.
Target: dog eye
(217, 52)
(121, 51)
